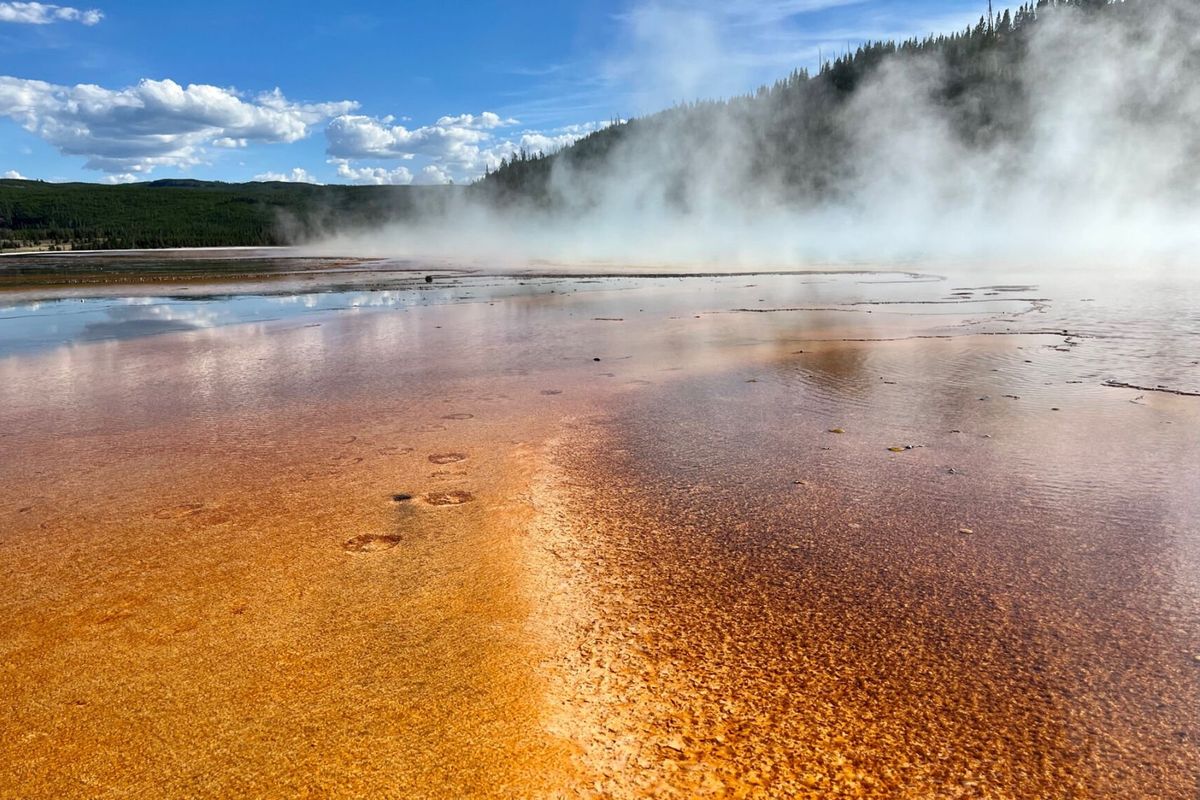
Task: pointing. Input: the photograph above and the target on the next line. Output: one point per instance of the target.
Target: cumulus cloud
(432, 174)
(454, 148)
(297, 175)
(484, 121)
(155, 123)
(377, 176)
(557, 138)
(366, 137)
(13, 175)
(42, 14)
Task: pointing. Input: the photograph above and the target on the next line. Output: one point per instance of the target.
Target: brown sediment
(852, 639)
(680, 588)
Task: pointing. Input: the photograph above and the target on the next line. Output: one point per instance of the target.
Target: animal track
(447, 458)
(454, 498)
(371, 542)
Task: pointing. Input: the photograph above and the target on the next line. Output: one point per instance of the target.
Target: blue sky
(384, 92)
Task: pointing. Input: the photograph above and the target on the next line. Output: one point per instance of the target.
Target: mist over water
(1092, 160)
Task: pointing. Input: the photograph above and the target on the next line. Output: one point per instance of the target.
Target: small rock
(836, 430)
(429, 279)
(401, 497)
(596, 359)
(965, 530)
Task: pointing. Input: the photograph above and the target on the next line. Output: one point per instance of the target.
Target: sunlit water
(1136, 330)
(774, 468)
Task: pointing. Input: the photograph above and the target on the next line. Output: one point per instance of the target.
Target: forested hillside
(796, 134)
(185, 213)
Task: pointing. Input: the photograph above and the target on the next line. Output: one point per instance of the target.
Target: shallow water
(610, 519)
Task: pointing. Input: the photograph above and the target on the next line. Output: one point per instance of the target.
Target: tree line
(186, 213)
(792, 133)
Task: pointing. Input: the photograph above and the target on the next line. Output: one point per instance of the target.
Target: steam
(1096, 161)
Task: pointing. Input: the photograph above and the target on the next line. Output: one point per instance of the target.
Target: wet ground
(890, 534)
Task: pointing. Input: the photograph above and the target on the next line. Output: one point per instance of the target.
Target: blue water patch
(44, 324)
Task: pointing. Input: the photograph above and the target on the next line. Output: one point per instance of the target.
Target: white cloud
(366, 137)
(377, 176)
(455, 148)
(297, 175)
(13, 175)
(556, 139)
(229, 143)
(433, 174)
(155, 123)
(124, 177)
(484, 121)
(42, 14)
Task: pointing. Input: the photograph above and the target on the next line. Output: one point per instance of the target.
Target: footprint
(460, 415)
(370, 542)
(551, 391)
(454, 498)
(447, 458)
